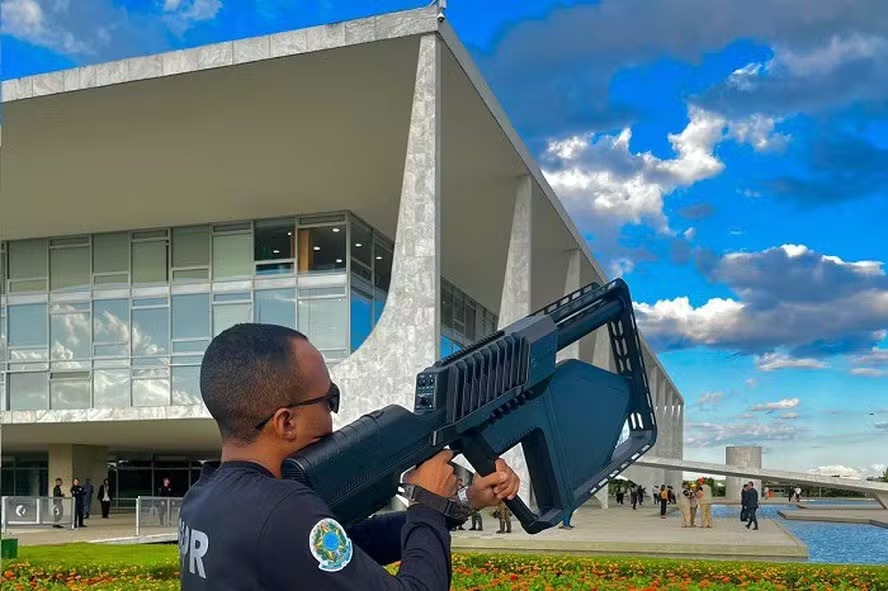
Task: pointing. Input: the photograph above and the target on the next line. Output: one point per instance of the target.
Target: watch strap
(446, 506)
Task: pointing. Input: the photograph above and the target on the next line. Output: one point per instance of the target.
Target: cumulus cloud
(29, 21)
(790, 416)
(746, 433)
(180, 15)
(776, 360)
(778, 405)
(871, 372)
(789, 298)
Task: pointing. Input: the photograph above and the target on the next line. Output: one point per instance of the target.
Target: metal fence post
(5, 526)
(138, 513)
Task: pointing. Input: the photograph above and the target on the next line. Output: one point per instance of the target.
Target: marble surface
(318, 38)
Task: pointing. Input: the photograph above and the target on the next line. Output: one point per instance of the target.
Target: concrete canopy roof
(305, 121)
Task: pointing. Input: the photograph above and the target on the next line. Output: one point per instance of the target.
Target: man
(166, 493)
(58, 508)
(243, 527)
(752, 505)
(78, 493)
(105, 498)
(87, 497)
(705, 502)
(505, 518)
(744, 499)
(684, 505)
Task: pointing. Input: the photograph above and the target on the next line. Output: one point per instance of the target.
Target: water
(840, 543)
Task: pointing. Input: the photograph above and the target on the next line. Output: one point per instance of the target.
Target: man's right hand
(435, 475)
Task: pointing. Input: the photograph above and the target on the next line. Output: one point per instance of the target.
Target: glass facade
(463, 320)
(122, 319)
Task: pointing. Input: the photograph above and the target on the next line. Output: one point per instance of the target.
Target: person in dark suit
(105, 498)
(58, 509)
(79, 495)
(744, 497)
(752, 505)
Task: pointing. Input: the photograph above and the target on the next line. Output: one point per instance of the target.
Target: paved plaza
(617, 530)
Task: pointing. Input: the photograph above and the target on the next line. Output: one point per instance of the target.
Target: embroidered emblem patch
(330, 545)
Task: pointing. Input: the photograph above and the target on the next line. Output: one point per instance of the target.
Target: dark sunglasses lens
(334, 398)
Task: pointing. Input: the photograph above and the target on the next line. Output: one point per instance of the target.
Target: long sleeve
(380, 536)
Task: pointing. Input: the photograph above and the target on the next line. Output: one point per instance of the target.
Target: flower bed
(155, 568)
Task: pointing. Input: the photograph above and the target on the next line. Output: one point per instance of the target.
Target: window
(227, 315)
(382, 265)
(323, 322)
(186, 385)
(151, 331)
(111, 258)
(361, 243)
(322, 248)
(361, 314)
(27, 332)
(470, 321)
(70, 333)
(69, 265)
(150, 262)
(273, 247)
(111, 328)
(111, 388)
(232, 255)
(276, 306)
(191, 316)
(28, 265)
(28, 391)
(151, 391)
(69, 393)
(191, 253)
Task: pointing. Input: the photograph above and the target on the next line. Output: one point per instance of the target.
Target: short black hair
(247, 373)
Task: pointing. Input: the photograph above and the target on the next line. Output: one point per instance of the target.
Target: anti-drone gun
(506, 389)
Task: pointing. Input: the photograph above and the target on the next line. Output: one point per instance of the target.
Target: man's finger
(443, 456)
(492, 479)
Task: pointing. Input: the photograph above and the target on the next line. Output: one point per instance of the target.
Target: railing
(157, 514)
(37, 511)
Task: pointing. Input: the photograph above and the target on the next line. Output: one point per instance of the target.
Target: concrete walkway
(620, 530)
(617, 530)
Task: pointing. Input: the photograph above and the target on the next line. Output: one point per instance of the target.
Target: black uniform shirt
(241, 528)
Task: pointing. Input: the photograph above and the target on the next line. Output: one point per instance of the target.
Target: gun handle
(485, 465)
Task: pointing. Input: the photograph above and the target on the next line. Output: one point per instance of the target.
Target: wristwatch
(457, 508)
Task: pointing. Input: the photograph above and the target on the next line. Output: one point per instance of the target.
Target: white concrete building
(357, 181)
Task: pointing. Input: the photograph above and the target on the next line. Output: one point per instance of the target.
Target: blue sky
(729, 159)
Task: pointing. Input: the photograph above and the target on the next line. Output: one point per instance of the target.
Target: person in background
(79, 500)
(694, 504)
(752, 506)
(166, 490)
(671, 494)
(87, 497)
(684, 505)
(633, 494)
(704, 499)
(505, 518)
(58, 508)
(798, 494)
(744, 498)
(565, 523)
(105, 498)
(664, 500)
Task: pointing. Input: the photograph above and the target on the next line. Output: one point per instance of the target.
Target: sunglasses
(331, 397)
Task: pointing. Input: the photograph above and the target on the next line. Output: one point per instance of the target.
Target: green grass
(155, 568)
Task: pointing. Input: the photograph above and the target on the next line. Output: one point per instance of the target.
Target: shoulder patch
(330, 545)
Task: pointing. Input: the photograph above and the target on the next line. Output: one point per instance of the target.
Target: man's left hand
(488, 491)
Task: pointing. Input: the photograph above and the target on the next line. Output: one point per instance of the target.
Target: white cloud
(751, 383)
(858, 473)
(882, 426)
(775, 361)
(710, 399)
(28, 21)
(793, 305)
(789, 416)
(871, 372)
(690, 233)
(876, 356)
(779, 405)
(758, 131)
(823, 60)
(746, 433)
(183, 14)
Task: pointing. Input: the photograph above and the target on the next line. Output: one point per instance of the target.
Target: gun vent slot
(486, 374)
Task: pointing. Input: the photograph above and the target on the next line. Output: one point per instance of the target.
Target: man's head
(58, 481)
(166, 481)
(76, 482)
(87, 480)
(266, 385)
(751, 484)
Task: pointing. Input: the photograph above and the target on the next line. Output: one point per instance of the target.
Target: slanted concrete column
(745, 457)
(406, 339)
(517, 290)
(571, 284)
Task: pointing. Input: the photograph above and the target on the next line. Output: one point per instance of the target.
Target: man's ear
(285, 424)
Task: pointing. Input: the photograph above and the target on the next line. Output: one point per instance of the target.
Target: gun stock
(505, 390)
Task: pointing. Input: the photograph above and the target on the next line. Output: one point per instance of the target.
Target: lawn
(155, 567)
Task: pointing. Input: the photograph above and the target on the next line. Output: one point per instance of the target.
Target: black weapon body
(504, 390)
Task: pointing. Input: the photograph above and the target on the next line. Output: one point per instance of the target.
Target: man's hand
(435, 475)
(488, 491)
